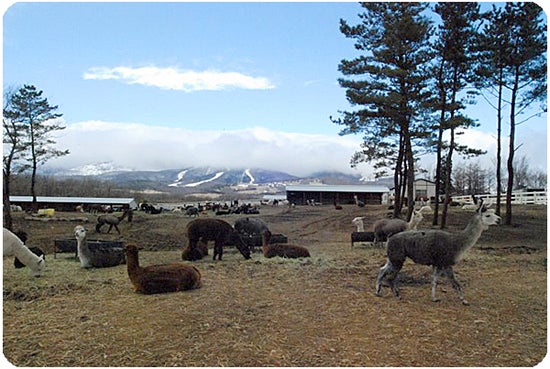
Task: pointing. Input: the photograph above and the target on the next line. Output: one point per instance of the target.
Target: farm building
(423, 189)
(341, 194)
(70, 203)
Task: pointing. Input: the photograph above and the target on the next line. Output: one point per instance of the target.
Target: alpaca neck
(81, 243)
(414, 222)
(470, 235)
(132, 262)
(83, 252)
(26, 256)
(266, 237)
(360, 226)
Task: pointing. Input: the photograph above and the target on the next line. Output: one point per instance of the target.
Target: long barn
(70, 203)
(340, 194)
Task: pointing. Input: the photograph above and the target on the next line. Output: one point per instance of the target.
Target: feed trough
(69, 245)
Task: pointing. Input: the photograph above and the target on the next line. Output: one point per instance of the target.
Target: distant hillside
(205, 179)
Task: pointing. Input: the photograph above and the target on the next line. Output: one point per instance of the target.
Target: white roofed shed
(340, 194)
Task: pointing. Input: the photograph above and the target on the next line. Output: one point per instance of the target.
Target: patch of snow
(216, 176)
(181, 175)
(247, 172)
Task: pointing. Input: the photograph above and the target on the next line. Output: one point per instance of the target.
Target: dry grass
(320, 311)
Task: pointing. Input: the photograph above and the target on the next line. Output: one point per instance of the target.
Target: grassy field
(319, 311)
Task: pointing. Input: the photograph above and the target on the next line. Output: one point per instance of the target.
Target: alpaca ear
(482, 208)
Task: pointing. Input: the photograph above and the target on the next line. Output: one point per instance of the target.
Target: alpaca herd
(436, 248)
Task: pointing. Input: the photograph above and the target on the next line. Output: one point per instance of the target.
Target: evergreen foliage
(36, 120)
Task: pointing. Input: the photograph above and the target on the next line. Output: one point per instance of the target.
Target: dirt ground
(319, 311)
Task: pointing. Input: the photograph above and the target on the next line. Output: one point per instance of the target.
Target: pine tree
(39, 119)
(454, 48)
(390, 88)
(13, 159)
(493, 47)
(514, 61)
(527, 70)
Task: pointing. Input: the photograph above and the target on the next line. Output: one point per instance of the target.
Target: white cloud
(528, 142)
(139, 146)
(182, 80)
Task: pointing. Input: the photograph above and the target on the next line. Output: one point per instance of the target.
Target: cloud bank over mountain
(145, 147)
(138, 146)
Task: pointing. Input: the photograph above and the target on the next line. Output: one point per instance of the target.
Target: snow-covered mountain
(201, 178)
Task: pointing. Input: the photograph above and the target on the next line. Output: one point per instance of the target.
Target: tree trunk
(448, 170)
(410, 179)
(397, 180)
(8, 221)
(510, 164)
(499, 145)
(435, 220)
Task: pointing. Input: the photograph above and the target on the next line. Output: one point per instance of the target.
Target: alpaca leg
(386, 277)
(436, 272)
(456, 285)
(116, 227)
(218, 250)
(391, 280)
(381, 278)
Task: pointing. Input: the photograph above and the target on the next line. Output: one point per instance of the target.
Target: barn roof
(339, 188)
(77, 200)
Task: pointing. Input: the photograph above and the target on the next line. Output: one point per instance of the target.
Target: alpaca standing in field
(36, 250)
(112, 221)
(13, 246)
(358, 223)
(161, 278)
(217, 230)
(437, 248)
(384, 228)
(250, 227)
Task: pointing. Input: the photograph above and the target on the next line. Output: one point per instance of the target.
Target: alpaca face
(417, 216)
(40, 267)
(488, 218)
(241, 246)
(79, 232)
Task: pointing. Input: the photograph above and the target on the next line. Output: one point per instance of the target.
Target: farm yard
(317, 311)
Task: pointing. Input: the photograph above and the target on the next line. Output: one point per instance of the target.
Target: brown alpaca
(196, 254)
(282, 250)
(217, 230)
(160, 278)
(112, 221)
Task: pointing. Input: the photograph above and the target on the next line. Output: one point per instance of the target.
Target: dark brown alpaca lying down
(160, 278)
(282, 250)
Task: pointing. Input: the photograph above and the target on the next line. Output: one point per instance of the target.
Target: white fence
(537, 197)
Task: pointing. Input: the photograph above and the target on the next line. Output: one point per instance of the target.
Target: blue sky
(182, 84)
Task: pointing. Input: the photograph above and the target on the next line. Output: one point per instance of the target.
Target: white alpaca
(13, 246)
(82, 242)
(358, 222)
